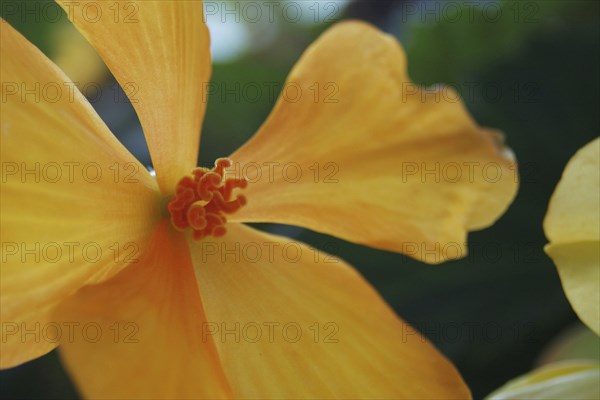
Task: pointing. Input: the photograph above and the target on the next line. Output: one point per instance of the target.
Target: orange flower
(184, 303)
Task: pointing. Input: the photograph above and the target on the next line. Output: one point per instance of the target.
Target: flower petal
(76, 206)
(576, 342)
(574, 211)
(572, 225)
(578, 266)
(290, 322)
(138, 336)
(563, 380)
(355, 150)
(159, 52)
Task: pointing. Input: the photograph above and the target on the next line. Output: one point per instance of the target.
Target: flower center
(202, 198)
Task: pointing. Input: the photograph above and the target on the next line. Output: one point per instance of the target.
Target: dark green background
(493, 312)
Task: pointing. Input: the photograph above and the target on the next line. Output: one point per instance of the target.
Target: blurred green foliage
(493, 312)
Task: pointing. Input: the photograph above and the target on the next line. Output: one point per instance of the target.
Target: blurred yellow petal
(159, 53)
(76, 206)
(355, 150)
(572, 226)
(574, 210)
(144, 338)
(576, 342)
(579, 271)
(77, 58)
(292, 322)
(564, 380)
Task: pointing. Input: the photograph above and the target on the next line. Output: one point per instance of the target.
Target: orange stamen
(202, 199)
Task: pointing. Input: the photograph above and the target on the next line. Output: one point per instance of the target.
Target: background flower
(572, 225)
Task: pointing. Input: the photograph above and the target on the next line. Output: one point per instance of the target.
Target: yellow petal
(139, 334)
(76, 206)
(579, 271)
(77, 58)
(576, 342)
(574, 210)
(572, 225)
(354, 149)
(292, 322)
(564, 380)
(159, 52)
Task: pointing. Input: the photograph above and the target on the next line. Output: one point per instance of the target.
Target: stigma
(203, 198)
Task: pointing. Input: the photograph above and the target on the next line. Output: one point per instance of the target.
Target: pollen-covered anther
(202, 199)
